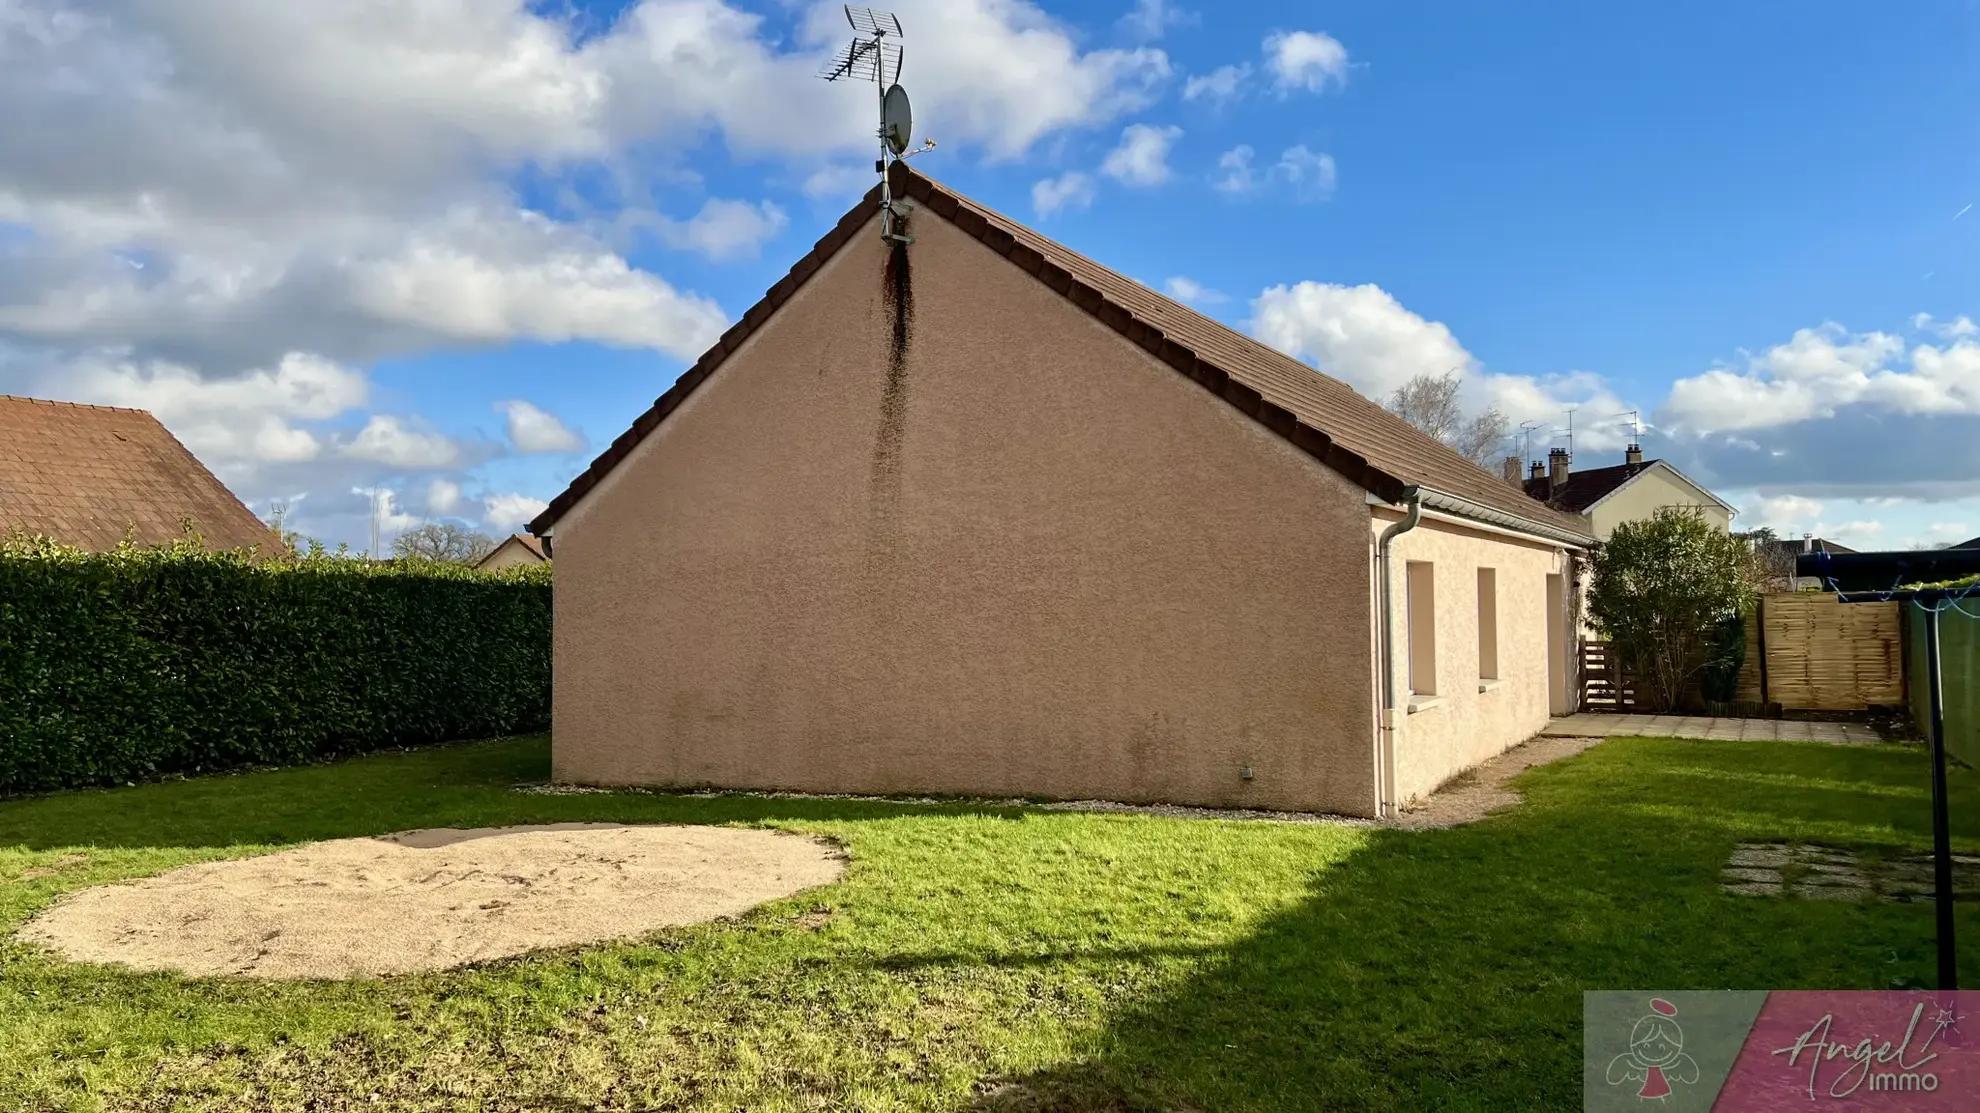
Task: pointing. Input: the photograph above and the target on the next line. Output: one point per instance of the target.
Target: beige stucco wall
(1463, 726)
(508, 554)
(1061, 569)
(1641, 498)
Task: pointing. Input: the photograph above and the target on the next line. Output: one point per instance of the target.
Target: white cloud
(508, 512)
(1305, 60)
(536, 430)
(1151, 19)
(381, 504)
(1860, 529)
(1142, 159)
(1359, 334)
(1365, 337)
(528, 279)
(1958, 530)
(1235, 173)
(1189, 290)
(1820, 370)
(1071, 190)
(1789, 515)
(1960, 326)
(1544, 401)
(1222, 84)
(1001, 74)
(839, 182)
(387, 440)
(233, 424)
(727, 230)
(219, 183)
(1311, 174)
(443, 497)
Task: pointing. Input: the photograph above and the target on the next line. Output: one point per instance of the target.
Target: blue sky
(449, 252)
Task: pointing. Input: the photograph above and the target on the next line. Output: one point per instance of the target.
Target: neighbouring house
(90, 476)
(1627, 492)
(517, 549)
(977, 515)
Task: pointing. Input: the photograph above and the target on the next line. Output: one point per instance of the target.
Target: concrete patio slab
(1605, 725)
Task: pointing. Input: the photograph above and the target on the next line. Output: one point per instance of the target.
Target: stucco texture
(1029, 560)
(1462, 725)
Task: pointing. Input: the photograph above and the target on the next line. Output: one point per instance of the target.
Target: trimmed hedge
(142, 662)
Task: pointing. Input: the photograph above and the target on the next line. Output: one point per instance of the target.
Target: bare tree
(442, 541)
(1430, 402)
(1773, 562)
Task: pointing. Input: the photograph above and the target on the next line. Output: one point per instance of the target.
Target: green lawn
(990, 958)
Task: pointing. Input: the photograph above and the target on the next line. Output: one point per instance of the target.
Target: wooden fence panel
(1825, 655)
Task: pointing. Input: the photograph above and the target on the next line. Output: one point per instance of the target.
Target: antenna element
(875, 55)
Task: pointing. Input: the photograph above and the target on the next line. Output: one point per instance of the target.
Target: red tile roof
(90, 475)
(1320, 415)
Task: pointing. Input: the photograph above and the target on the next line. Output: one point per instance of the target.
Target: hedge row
(142, 662)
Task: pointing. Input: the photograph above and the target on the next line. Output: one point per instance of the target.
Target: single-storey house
(977, 515)
(515, 550)
(91, 476)
(1627, 492)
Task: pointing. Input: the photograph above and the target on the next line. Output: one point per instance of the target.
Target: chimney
(1633, 454)
(1539, 471)
(1511, 470)
(1557, 470)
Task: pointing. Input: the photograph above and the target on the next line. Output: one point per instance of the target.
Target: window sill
(1490, 685)
(1424, 703)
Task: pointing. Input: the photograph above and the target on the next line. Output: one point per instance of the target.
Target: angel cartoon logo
(1655, 1059)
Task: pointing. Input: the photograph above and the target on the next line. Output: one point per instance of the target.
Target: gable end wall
(1040, 562)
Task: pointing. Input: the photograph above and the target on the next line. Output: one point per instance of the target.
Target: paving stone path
(1825, 873)
(1604, 725)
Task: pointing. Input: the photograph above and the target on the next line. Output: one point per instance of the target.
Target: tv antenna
(875, 55)
(1570, 429)
(1526, 429)
(1635, 423)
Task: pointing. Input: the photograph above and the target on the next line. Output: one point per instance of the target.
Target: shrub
(1661, 588)
(141, 662)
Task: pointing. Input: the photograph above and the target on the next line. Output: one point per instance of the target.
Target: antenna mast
(874, 54)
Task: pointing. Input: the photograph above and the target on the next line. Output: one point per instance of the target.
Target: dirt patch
(1476, 793)
(428, 900)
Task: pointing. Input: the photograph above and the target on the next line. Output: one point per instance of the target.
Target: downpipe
(1385, 746)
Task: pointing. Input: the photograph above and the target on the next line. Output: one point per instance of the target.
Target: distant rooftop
(91, 475)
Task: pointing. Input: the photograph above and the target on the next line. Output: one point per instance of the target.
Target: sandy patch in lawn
(428, 900)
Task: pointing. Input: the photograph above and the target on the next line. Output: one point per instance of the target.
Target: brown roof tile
(88, 475)
(1321, 415)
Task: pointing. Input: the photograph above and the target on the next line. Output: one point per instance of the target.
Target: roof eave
(1458, 506)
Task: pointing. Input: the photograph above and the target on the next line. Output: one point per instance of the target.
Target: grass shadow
(1444, 969)
(464, 785)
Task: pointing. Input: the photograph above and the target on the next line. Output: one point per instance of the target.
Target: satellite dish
(896, 119)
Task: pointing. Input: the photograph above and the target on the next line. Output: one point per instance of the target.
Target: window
(1488, 624)
(1421, 578)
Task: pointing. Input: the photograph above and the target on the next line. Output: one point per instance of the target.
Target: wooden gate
(1603, 685)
